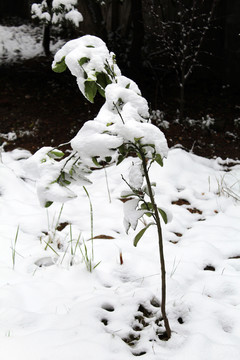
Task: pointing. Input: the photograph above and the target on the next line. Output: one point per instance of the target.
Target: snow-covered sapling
(121, 129)
(55, 12)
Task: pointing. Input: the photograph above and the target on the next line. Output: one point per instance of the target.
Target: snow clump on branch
(58, 12)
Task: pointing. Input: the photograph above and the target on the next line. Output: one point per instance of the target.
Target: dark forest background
(183, 54)
(128, 27)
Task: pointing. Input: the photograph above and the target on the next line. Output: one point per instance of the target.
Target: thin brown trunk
(161, 253)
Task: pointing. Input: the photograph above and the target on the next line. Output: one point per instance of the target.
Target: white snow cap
(67, 3)
(88, 47)
(61, 9)
(74, 16)
(92, 140)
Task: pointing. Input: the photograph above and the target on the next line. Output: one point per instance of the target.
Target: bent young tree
(121, 129)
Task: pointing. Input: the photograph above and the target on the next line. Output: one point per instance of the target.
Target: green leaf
(120, 102)
(138, 139)
(94, 160)
(60, 66)
(97, 264)
(108, 158)
(48, 203)
(140, 234)
(148, 214)
(127, 196)
(66, 182)
(122, 149)
(90, 46)
(83, 61)
(103, 79)
(90, 90)
(163, 215)
(128, 86)
(159, 159)
(120, 159)
(55, 154)
(146, 206)
(101, 91)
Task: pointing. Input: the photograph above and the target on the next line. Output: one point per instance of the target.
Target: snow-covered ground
(22, 42)
(51, 307)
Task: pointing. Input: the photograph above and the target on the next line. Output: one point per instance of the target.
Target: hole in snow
(108, 286)
(139, 353)
(108, 307)
(154, 302)
(180, 320)
(137, 328)
(194, 211)
(209, 268)
(104, 321)
(145, 312)
(163, 336)
(226, 326)
(173, 242)
(62, 225)
(181, 202)
(159, 321)
(178, 234)
(131, 339)
(141, 320)
(43, 262)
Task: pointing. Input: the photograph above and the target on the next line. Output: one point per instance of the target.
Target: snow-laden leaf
(141, 233)
(53, 192)
(83, 60)
(48, 203)
(163, 215)
(90, 90)
(159, 159)
(60, 66)
(136, 175)
(94, 160)
(131, 214)
(55, 154)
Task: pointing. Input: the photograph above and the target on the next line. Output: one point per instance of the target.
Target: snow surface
(51, 307)
(22, 42)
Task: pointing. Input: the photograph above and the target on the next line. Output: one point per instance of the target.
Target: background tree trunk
(47, 32)
(138, 38)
